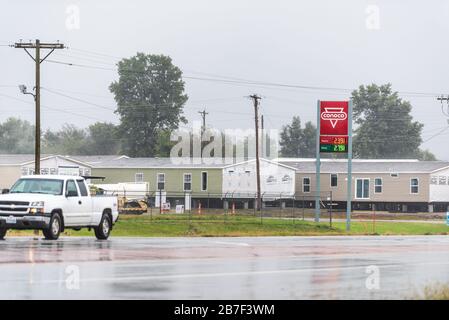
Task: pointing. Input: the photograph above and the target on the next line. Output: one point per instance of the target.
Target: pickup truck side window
(71, 189)
(82, 188)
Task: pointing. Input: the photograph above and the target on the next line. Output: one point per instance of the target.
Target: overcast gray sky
(331, 44)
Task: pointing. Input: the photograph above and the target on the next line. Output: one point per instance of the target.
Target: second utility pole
(203, 116)
(256, 99)
(37, 95)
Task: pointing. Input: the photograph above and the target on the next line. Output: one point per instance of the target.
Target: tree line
(17, 136)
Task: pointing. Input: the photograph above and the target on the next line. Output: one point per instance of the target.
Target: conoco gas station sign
(334, 126)
(334, 135)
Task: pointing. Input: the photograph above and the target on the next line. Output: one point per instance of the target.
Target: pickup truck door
(74, 213)
(85, 203)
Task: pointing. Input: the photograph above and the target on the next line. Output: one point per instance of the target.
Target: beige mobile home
(384, 185)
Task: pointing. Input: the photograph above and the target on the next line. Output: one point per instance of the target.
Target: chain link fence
(236, 207)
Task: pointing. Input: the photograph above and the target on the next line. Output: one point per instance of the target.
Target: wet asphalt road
(221, 268)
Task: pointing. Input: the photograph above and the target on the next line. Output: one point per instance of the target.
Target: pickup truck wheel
(3, 233)
(104, 228)
(54, 229)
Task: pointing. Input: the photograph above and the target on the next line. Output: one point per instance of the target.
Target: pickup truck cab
(52, 203)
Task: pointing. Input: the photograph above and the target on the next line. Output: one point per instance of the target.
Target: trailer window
(378, 185)
(362, 188)
(334, 180)
(138, 177)
(187, 182)
(161, 181)
(306, 185)
(414, 186)
(204, 181)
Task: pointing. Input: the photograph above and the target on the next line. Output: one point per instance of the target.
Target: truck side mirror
(4, 191)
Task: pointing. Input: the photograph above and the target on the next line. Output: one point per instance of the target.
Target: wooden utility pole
(203, 116)
(256, 99)
(262, 128)
(37, 93)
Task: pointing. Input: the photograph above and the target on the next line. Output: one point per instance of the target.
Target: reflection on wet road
(222, 268)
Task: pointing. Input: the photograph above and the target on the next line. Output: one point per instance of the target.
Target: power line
(78, 57)
(399, 119)
(80, 65)
(69, 112)
(79, 92)
(52, 108)
(55, 91)
(96, 53)
(77, 99)
(240, 81)
(228, 79)
(210, 100)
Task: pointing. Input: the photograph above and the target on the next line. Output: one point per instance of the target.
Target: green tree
(426, 155)
(384, 125)
(163, 145)
(150, 99)
(296, 141)
(16, 136)
(309, 140)
(70, 140)
(98, 139)
(51, 142)
(102, 139)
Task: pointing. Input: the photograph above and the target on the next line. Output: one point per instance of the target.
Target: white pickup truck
(52, 203)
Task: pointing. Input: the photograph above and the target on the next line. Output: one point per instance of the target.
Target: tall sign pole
(334, 135)
(318, 165)
(349, 192)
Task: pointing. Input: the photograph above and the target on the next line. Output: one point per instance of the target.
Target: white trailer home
(277, 181)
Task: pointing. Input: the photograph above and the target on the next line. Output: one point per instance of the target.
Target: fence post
(254, 205)
(190, 211)
(225, 216)
(303, 207)
(160, 201)
(151, 207)
(330, 209)
(293, 209)
(280, 205)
